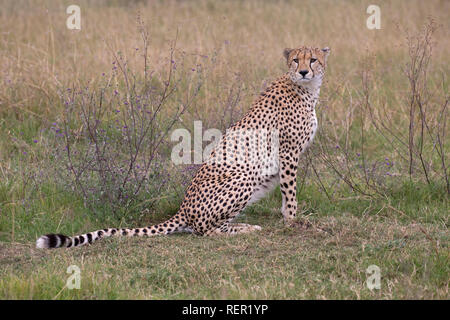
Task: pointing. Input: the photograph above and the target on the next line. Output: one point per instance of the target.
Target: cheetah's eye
(313, 60)
(295, 60)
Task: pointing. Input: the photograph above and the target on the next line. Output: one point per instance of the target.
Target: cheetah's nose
(303, 72)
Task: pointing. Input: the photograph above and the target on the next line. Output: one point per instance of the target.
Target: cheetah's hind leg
(230, 229)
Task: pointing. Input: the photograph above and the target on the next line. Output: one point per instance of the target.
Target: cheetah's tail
(51, 241)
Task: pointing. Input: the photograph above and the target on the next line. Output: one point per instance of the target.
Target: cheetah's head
(307, 65)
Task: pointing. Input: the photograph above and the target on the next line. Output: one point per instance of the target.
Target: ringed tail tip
(51, 241)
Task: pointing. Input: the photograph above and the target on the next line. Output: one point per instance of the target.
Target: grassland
(340, 232)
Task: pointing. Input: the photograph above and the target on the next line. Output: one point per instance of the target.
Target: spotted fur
(237, 173)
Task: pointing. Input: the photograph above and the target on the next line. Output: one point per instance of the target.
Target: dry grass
(39, 54)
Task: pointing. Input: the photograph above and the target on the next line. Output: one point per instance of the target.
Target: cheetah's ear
(286, 53)
(326, 51)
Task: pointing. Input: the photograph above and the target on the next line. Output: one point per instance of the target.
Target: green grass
(324, 256)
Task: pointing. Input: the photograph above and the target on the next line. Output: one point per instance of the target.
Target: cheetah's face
(306, 65)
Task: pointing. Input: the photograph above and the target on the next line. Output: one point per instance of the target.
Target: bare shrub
(115, 136)
(413, 131)
(423, 148)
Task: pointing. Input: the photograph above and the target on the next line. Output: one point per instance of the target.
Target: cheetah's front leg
(288, 184)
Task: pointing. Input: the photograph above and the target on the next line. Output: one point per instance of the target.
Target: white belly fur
(261, 191)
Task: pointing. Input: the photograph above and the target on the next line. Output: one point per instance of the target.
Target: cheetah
(256, 154)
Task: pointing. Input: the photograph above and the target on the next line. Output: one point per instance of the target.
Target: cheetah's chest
(306, 131)
(313, 128)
